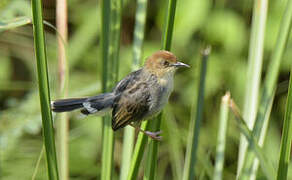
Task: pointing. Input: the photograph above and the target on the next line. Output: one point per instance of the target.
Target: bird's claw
(154, 135)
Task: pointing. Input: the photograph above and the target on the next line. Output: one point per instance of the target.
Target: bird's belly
(160, 97)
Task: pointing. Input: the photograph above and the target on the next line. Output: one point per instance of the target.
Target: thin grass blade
(139, 32)
(106, 160)
(151, 164)
(221, 141)
(193, 138)
(44, 90)
(243, 127)
(168, 26)
(141, 142)
(129, 132)
(263, 135)
(286, 137)
(255, 61)
(111, 21)
(138, 153)
(14, 23)
(38, 163)
(175, 142)
(166, 45)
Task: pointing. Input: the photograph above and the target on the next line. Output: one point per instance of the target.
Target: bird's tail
(90, 105)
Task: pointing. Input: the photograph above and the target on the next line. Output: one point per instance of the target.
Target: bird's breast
(160, 93)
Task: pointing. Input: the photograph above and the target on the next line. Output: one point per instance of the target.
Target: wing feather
(131, 106)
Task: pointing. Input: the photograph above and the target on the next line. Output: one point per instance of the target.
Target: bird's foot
(154, 135)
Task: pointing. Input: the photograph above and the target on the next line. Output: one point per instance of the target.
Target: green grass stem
(168, 26)
(114, 49)
(174, 142)
(269, 87)
(139, 32)
(129, 132)
(138, 153)
(141, 142)
(105, 41)
(286, 137)
(36, 169)
(128, 145)
(221, 137)
(166, 45)
(44, 90)
(152, 161)
(255, 61)
(195, 124)
(107, 153)
(111, 22)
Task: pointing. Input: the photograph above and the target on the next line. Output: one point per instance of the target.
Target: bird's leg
(153, 135)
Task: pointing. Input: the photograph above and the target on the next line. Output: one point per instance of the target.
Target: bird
(139, 96)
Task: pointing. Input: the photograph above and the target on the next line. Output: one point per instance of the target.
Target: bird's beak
(180, 64)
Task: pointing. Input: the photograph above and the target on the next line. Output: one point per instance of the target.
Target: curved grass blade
(14, 23)
(22, 21)
(44, 90)
(243, 127)
(38, 163)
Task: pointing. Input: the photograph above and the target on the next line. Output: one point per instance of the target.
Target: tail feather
(64, 105)
(96, 104)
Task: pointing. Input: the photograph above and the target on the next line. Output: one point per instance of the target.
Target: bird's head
(163, 63)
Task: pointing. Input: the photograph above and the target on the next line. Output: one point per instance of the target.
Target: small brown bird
(139, 96)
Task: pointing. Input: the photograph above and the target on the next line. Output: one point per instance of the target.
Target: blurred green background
(224, 24)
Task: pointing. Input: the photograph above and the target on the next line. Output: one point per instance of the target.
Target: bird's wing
(132, 105)
(128, 82)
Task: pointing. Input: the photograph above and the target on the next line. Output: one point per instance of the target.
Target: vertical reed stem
(44, 89)
(269, 87)
(221, 141)
(286, 137)
(129, 132)
(62, 123)
(194, 131)
(255, 59)
(111, 21)
(107, 159)
(166, 45)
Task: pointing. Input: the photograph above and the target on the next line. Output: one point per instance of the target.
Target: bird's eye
(165, 63)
